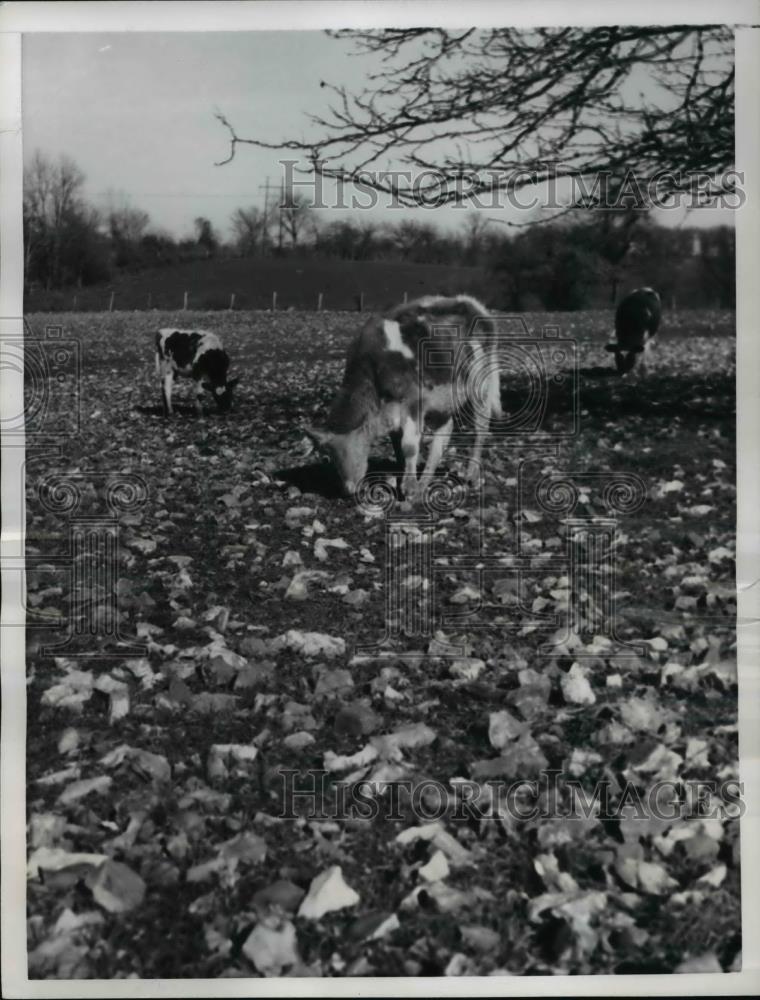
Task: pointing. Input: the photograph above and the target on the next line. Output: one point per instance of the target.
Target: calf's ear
(319, 437)
(232, 382)
(207, 386)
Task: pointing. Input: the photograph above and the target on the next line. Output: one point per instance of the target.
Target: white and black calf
(637, 319)
(196, 354)
(389, 387)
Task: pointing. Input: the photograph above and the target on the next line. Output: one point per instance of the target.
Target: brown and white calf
(636, 321)
(196, 354)
(394, 382)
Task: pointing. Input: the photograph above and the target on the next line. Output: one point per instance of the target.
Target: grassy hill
(296, 281)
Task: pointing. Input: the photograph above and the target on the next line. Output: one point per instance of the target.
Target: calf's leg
(647, 358)
(474, 467)
(438, 446)
(166, 391)
(199, 390)
(398, 451)
(410, 450)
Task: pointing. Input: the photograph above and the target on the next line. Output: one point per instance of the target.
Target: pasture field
(298, 282)
(261, 600)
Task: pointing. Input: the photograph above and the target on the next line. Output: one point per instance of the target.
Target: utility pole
(266, 189)
(279, 217)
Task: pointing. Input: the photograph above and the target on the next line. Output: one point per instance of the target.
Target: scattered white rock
(118, 695)
(298, 741)
(145, 763)
(388, 926)
(700, 963)
(408, 737)
(436, 869)
(141, 669)
(56, 859)
(117, 888)
(310, 643)
(335, 763)
(657, 645)
(465, 594)
(72, 692)
(720, 553)
(70, 921)
(467, 669)
(78, 789)
(328, 892)
(272, 949)
(321, 546)
(295, 514)
(576, 688)
(440, 838)
(581, 760)
(222, 757)
(699, 510)
(298, 588)
(69, 740)
(503, 728)
(59, 777)
(714, 877)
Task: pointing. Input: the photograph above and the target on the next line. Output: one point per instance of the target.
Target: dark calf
(636, 321)
(196, 354)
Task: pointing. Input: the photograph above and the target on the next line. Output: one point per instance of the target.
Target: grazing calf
(636, 321)
(391, 386)
(196, 354)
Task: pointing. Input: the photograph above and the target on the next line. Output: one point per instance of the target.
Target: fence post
(110, 304)
(360, 302)
(185, 303)
(274, 301)
(406, 296)
(232, 301)
(76, 299)
(319, 302)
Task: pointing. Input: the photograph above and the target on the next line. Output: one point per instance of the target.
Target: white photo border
(19, 18)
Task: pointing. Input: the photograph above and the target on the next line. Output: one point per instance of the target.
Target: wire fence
(87, 301)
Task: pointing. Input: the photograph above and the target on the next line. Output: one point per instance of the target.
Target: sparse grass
(677, 424)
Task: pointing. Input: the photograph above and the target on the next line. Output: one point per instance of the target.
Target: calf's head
(349, 452)
(222, 393)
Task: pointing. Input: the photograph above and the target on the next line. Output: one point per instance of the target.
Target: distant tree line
(69, 243)
(577, 260)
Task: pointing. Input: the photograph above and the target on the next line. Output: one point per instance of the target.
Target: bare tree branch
(483, 105)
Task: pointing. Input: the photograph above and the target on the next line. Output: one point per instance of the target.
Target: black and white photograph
(379, 532)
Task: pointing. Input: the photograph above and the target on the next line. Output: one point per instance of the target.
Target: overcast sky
(135, 112)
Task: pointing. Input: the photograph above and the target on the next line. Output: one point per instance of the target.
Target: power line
(174, 194)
